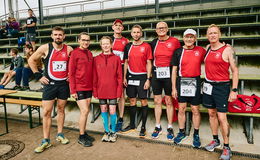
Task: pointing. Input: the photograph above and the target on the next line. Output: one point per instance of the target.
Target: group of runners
(133, 67)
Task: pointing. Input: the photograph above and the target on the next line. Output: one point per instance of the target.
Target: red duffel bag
(245, 104)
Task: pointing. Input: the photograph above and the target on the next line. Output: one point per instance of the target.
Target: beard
(58, 42)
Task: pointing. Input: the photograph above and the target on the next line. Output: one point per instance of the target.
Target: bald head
(161, 30)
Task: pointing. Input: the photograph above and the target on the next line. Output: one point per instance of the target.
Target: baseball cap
(118, 21)
(190, 31)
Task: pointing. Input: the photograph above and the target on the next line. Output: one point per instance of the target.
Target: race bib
(59, 66)
(163, 72)
(188, 87)
(207, 88)
(134, 82)
(119, 54)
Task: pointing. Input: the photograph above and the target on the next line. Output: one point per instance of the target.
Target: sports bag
(245, 104)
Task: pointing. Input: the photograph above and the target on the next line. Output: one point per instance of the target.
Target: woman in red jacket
(107, 86)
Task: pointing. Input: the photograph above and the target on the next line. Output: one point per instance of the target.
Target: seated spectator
(25, 73)
(16, 64)
(13, 27)
(2, 32)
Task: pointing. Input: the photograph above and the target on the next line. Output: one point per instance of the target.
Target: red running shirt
(58, 63)
(216, 69)
(119, 46)
(137, 56)
(163, 51)
(189, 61)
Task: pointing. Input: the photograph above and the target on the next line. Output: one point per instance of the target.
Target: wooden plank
(22, 101)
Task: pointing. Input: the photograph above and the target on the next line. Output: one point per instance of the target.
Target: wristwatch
(234, 89)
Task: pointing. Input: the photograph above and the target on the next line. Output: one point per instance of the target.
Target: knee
(181, 110)
(157, 101)
(213, 114)
(195, 112)
(84, 112)
(46, 113)
(144, 102)
(132, 101)
(168, 100)
(60, 109)
(222, 120)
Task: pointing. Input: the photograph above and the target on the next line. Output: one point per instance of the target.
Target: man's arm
(36, 56)
(174, 77)
(231, 58)
(149, 71)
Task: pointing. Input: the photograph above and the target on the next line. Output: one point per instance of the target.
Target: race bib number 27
(59, 66)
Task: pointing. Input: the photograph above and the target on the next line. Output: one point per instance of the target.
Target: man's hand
(174, 93)
(232, 96)
(74, 95)
(44, 80)
(147, 84)
(125, 82)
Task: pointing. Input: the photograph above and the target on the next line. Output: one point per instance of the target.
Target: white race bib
(163, 72)
(119, 53)
(207, 88)
(28, 21)
(134, 82)
(59, 66)
(188, 87)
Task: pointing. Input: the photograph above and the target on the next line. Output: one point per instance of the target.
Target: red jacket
(108, 80)
(81, 70)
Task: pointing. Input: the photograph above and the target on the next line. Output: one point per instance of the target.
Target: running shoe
(212, 145)
(84, 141)
(92, 139)
(119, 126)
(44, 145)
(226, 154)
(142, 132)
(62, 139)
(170, 134)
(157, 131)
(106, 137)
(196, 141)
(112, 137)
(16, 87)
(179, 138)
(128, 129)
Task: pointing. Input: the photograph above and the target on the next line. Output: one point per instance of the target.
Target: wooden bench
(31, 105)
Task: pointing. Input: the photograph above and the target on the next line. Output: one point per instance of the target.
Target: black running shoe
(142, 132)
(128, 129)
(85, 142)
(90, 138)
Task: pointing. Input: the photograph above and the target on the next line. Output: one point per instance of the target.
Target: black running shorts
(219, 97)
(84, 94)
(196, 100)
(137, 91)
(51, 92)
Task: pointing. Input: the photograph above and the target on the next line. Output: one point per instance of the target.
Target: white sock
(169, 126)
(158, 125)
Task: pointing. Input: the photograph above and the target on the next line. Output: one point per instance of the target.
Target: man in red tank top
(119, 43)
(186, 86)
(54, 80)
(216, 88)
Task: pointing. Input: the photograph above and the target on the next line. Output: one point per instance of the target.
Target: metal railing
(83, 6)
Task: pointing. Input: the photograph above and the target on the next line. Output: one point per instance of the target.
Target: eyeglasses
(161, 28)
(85, 40)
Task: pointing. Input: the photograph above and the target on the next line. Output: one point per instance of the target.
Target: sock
(226, 145)
(182, 130)
(120, 119)
(169, 126)
(132, 116)
(104, 116)
(215, 137)
(158, 125)
(113, 119)
(196, 131)
(144, 115)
